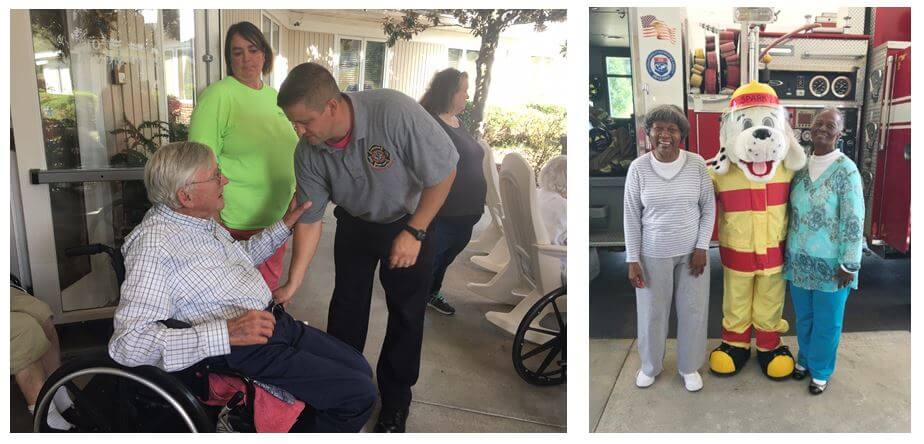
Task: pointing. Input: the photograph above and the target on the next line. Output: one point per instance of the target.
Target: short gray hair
(837, 112)
(172, 167)
(554, 175)
(670, 114)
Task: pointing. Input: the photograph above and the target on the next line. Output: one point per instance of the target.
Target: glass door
(98, 92)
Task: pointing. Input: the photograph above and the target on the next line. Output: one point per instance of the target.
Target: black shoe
(438, 303)
(785, 363)
(817, 389)
(391, 421)
(799, 375)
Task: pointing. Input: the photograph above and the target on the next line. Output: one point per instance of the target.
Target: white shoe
(642, 380)
(692, 381)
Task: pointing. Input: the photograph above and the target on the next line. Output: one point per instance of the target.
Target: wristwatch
(420, 235)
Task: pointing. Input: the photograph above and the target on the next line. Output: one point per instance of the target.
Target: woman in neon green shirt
(252, 138)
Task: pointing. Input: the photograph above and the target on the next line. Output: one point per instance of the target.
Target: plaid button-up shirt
(192, 270)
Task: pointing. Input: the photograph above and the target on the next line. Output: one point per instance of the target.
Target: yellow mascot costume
(751, 173)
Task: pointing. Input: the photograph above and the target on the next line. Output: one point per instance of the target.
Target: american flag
(652, 27)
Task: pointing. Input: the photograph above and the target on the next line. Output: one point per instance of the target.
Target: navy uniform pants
(328, 375)
(360, 247)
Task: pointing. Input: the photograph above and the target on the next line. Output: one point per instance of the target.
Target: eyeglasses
(215, 177)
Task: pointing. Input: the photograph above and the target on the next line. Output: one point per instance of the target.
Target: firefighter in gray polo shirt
(388, 167)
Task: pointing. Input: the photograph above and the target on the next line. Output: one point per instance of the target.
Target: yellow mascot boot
(728, 360)
(777, 364)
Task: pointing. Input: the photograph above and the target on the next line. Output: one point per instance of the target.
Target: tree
(487, 24)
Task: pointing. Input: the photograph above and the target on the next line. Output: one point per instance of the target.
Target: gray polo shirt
(395, 151)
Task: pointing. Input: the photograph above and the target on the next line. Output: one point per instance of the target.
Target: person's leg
(328, 375)
(826, 334)
(452, 236)
(737, 298)
(803, 305)
(51, 360)
(692, 301)
(769, 296)
(406, 294)
(653, 305)
(354, 272)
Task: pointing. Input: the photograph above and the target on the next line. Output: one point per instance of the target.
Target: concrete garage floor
(869, 392)
(467, 381)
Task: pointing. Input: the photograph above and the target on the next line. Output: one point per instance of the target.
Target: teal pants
(819, 320)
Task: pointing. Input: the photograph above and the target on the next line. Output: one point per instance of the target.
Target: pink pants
(271, 269)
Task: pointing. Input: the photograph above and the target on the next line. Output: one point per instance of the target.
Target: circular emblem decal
(378, 157)
(660, 65)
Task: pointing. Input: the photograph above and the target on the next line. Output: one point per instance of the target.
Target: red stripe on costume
(743, 200)
(766, 340)
(777, 193)
(748, 261)
(730, 336)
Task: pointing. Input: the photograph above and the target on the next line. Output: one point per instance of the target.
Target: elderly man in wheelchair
(194, 304)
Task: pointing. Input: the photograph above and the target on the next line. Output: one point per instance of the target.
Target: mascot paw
(777, 364)
(727, 360)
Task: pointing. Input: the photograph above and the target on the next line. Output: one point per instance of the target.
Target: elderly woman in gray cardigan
(669, 215)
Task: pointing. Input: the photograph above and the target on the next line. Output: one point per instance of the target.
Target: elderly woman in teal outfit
(823, 249)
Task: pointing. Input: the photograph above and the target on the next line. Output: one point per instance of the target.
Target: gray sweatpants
(668, 279)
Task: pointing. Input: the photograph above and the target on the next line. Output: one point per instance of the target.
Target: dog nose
(762, 133)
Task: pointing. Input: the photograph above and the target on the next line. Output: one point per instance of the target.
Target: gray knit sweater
(668, 217)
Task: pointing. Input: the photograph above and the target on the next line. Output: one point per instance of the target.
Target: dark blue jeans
(450, 236)
(330, 376)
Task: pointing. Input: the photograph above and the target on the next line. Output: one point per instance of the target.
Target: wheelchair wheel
(109, 397)
(540, 344)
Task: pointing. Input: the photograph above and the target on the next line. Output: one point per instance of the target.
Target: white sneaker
(692, 381)
(642, 380)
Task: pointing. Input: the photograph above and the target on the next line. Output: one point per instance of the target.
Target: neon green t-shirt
(254, 143)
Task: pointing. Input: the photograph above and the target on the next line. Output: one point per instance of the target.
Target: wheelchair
(110, 397)
(540, 343)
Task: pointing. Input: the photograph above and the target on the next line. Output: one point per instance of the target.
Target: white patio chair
(491, 240)
(533, 260)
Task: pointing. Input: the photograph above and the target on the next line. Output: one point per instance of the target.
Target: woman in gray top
(669, 216)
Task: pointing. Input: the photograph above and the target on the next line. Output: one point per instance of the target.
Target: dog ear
(795, 154)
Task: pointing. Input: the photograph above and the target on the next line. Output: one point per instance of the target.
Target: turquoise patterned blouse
(825, 226)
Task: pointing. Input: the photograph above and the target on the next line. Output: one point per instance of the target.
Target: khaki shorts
(27, 339)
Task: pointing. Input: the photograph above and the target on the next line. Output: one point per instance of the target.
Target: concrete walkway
(869, 392)
(467, 381)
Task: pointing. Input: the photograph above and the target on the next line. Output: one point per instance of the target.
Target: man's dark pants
(331, 377)
(359, 247)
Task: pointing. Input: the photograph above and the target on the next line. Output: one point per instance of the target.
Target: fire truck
(855, 59)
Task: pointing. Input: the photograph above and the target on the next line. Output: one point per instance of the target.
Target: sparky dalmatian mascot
(751, 173)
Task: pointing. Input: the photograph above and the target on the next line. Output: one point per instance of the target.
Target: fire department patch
(378, 157)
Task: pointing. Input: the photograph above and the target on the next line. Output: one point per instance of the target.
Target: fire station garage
(670, 86)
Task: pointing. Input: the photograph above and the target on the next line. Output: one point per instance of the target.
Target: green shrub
(534, 130)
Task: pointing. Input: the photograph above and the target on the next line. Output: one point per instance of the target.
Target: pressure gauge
(819, 86)
(841, 86)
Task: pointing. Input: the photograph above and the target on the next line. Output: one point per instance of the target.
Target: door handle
(908, 152)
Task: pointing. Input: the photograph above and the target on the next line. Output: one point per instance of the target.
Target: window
(271, 33)
(362, 62)
(619, 86)
(464, 60)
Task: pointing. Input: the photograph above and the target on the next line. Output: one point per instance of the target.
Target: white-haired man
(182, 264)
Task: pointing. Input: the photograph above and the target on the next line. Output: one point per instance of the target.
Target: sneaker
(692, 381)
(438, 303)
(642, 380)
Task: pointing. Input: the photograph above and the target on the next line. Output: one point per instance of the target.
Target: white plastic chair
(491, 240)
(534, 262)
